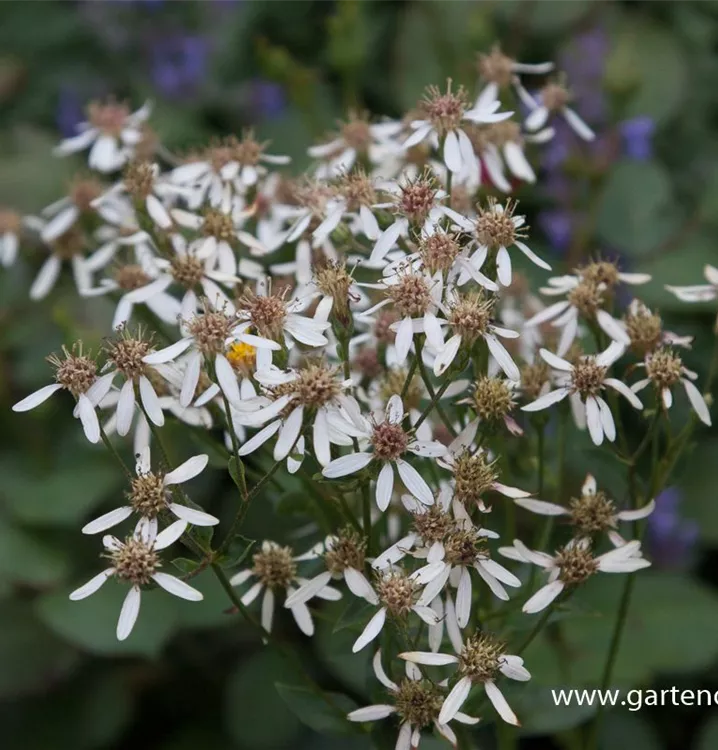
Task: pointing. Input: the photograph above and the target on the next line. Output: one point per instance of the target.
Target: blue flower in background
(179, 64)
(268, 98)
(69, 112)
(557, 224)
(671, 538)
(637, 137)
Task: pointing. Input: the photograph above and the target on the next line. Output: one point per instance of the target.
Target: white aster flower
(150, 495)
(699, 292)
(554, 97)
(111, 132)
(573, 564)
(482, 659)
(389, 443)
(584, 382)
(274, 568)
(136, 562)
(415, 701)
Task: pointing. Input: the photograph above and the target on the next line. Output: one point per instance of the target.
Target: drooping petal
(91, 586)
(193, 516)
(414, 482)
(345, 465)
(128, 613)
(187, 470)
(455, 700)
(371, 631)
(107, 520)
(178, 588)
(500, 704)
(36, 398)
(543, 597)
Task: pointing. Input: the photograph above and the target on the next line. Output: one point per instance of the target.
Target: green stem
(434, 401)
(113, 451)
(430, 388)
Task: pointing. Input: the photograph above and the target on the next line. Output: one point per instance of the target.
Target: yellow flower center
(242, 356)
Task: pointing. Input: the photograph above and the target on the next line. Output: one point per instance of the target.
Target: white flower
(111, 131)
(591, 513)
(136, 561)
(76, 373)
(10, 228)
(389, 443)
(699, 292)
(442, 124)
(413, 700)
(584, 382)
(554, 98)
(275, 567)
(150, 495)
(499, 71)
(665, 369)
(573, 564)
(481, 659)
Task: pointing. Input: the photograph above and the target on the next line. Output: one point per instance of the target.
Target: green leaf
(636, 211)
(538, 712)
(698, 482)
(29, 557)
(326, 715)
(31, 654)
(212, 611)
(237, 551)
(91, 623)
(237, 473)
(255, 716)
(185, 565)
(708, 736)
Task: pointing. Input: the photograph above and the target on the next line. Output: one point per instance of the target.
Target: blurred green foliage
(194, 677)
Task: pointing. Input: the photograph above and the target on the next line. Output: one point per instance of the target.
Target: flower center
(592, 513)
(389, 441)
(243, 357)
(492, 399)
(274, 565)
(587, 377)
(135, 561)
(418, 702)
(471, 316)
(219, 225)
(187, 270)
(210, 330)
(664, 368)
(127, 354)
(576, 564)
(480, 658)
(84, 191)
(473, 476)
(433, 524)
(110, 118)
(554, 96)
(76, 372)
(464, 546)
(496, 67)
(439, 251)
(139, 179)
(316, 386)
(148, 495)
(397, 593)
(644, 328)
(266, 313)
(586, 297)
(416, 200)
(411, 295)
(495, 227)
(444, 110)
(347, 551)
(131, 276)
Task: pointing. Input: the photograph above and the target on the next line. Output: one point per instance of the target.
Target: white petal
(414, 482)
(188, 470)
(452, 152)
(426, 614)
(385, 486)
(191, 378)
(429, 658)
(59, 224)
(697, 401)
(463, 599)
(394, 410)
(46, 278)
(177, 587)
(289, 433)
(578, 125)
(536, 119)
(635, 515)
(609, 426)
(502, 357)
(541, 507)
(455, 700)
(168, 353)
(371, 713)
(88, 417)
(359, 586)
(593, 420)
(341, 467)
(36, 398)
(128, 614)
(543, 597)
(308, 590)
(404, 338)
(625, 391)
(192, 515)
(260, 438)
(108, 520)
(151, 402)
(381, 674)
(371, 631)
(500, 704)
(227, 378)
(550, 398)
(158, 213)
(503, 266)
(91, 586)
(170, 535)
(267, 614)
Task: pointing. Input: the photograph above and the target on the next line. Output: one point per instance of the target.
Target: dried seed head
(382, 326)
(334, 281)
(411, 295)
(554, 96)
(664, 368)
(69, 244)
(495, 226)
(148, 495)
(242, 357)
(473, 475)
(84, 190)
(316, 385)
(576, 563)
(644, 328)
(219, 225)
(77, 371)
(274, 566)
(464, 546)
(587, 377)
(586, 297)
(146, 147)
(601, 272)
(126, 353)
(445, 111)
(389, 441)
(417, 198)
(433, 524)
(397, 592)
(357, 189)
(533, 379)
(10, 221)
(392, 384)
(592, 513)
(481, 657)
(347, 551)
(131, 276)
(496, 67)
(471, 316)
(495, 134)
(219, 153)
(438, 251)
(492, 399)
(187, 270)
(418, 702)
(462, 199)
(210, 330)
(135, 561)
(313, 195)
(139, 179)
(109, 117)
(248, 151)
(368, 363)
(266, 313)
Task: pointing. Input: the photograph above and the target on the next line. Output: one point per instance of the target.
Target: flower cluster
(365, 326)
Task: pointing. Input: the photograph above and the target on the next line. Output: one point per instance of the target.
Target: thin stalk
(430, 388)
(432, 403)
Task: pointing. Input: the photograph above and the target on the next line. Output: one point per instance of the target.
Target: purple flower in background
(584, 62)
(637, 137)
(671, 539)
(179, 64)
(268, 98)
(69, 112)
(558, 225)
